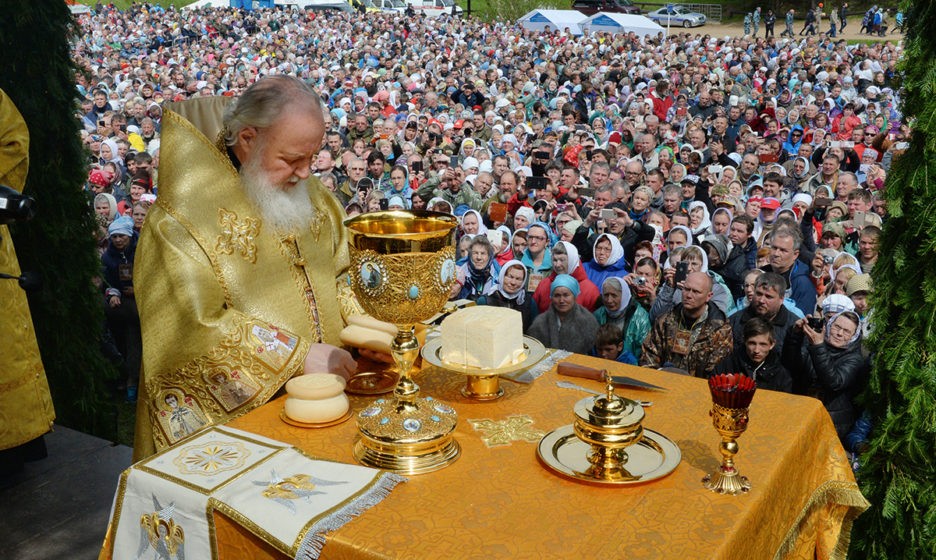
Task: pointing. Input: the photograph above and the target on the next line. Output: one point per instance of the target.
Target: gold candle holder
(730, 423)
(402, 270)
(731, 396)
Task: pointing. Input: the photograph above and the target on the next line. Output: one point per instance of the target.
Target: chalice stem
(404, 349)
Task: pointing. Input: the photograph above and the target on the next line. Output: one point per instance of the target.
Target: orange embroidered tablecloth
(500, 502)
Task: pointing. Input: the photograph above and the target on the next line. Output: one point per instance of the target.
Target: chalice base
(727, 480)
(482, 388)
(407, 436)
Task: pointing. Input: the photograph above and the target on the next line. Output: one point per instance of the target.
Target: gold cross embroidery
(495, 433)
(237, 235)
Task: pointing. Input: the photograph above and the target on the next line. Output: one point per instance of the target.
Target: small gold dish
(299, 424)
(372, 383)
(483, 384)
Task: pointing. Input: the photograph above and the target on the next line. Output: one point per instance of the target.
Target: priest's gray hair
(264, 102)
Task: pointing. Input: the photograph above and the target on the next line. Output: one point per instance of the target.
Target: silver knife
(575, 370)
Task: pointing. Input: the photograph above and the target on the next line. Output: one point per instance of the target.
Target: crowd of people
(689, 202)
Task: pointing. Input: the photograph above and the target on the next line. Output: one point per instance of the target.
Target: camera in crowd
(815, 323)
(15, 206)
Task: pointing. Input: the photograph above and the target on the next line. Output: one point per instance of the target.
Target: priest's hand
(324, 358)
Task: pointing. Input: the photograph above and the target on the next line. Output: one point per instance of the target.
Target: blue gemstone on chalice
(384, 421)
(413, 292)
(444, 409)
(411, 425)
(370, 411)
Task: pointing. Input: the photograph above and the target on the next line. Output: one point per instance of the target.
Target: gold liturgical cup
(402, 271)
(730, 423)
(731, 398)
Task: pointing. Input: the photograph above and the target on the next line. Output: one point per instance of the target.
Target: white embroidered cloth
(163, 506)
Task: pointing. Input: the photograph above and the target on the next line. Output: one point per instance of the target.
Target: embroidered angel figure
(159, 531)
(298, 486)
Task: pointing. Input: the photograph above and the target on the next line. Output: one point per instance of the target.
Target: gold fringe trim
(837, 492)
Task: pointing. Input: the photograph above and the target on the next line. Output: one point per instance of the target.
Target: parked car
(589, 7)
(434, 8)
(676, 16)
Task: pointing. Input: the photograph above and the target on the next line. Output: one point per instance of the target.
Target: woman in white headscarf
(504, 250)
(511, 292)
(829, 362)
(110, 154)
(699, 220)
(472, 223)
(566, 260)
(524, 217)
(608, 259)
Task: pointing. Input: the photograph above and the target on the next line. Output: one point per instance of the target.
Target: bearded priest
(240, 273)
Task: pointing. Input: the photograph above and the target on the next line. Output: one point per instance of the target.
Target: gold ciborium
(731, 397)
(608, 424)
(402, 270)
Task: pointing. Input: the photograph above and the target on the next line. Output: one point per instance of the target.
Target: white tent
(621, 23)
(207, 4)
(555, 20)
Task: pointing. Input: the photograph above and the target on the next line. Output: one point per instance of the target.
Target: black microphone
(28, 281)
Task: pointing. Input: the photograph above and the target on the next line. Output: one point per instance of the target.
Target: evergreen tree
(899, 472)
(37, 72)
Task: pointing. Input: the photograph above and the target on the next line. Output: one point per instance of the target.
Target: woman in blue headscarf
(608, 259)
(399, 185)
(566, 325)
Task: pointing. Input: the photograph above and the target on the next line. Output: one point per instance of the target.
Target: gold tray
(653, 457)
(533, 352)
(298, 424)
(372, 382)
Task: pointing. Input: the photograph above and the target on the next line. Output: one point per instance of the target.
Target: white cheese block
(482, 337)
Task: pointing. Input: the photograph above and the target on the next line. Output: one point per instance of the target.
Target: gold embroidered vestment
(228, 306)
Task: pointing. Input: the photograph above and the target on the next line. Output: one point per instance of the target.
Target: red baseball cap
(770, 203)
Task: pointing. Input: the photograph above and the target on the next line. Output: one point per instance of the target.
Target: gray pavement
(58, 507)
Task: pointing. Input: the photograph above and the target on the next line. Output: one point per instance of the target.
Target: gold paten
(402, 271)
(607, 444)
(341, 420)
(730, 423)
(484, 384)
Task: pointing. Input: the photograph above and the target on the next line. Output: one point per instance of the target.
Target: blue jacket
(598, 273)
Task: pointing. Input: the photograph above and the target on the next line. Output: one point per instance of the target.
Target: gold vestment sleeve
(217, 361)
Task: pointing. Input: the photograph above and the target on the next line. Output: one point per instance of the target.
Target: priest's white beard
(286, 207)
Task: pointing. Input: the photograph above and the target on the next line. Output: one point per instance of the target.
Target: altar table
(498, 501)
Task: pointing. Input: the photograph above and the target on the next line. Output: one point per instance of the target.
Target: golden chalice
(731, 398)
(402, 270)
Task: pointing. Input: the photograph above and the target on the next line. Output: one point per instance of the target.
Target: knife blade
(574, 370)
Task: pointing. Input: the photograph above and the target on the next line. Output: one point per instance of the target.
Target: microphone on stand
(28, 281)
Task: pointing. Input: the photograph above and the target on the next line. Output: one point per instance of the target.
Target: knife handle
(574, 370)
